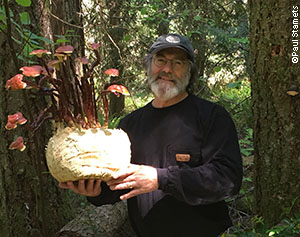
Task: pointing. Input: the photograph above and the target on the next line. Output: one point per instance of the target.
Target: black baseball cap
(173, 41)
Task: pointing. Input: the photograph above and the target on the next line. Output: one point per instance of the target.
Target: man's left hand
(139, 178)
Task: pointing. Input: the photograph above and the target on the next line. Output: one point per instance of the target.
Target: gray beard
(167, 91)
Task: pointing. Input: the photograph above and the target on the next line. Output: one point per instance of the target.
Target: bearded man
(185, 154)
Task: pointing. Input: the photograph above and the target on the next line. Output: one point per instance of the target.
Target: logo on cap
(173, 39)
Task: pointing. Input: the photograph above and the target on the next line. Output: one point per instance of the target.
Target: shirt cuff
(162, 176)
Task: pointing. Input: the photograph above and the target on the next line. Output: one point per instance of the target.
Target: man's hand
(89, 188)
(140, 178)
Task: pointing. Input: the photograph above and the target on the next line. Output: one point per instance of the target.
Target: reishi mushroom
(14, 119)
(61, 57)
(17, 118)
(118, 89)
(112, 72)
(10, 126)
(18, 144)
(15, 83)
(67, 49)
(32, 71)
(40, 52)
(54, 63)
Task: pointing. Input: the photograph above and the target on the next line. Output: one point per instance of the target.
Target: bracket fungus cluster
(81, 147)
(14, 119)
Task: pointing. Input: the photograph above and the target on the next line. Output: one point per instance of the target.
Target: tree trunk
(116, 104)
(276, 114)
(67, 21)
(31, 203)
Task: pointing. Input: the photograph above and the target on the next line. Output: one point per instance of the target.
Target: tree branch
(67, 23)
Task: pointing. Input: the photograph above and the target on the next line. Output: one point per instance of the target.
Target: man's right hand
(89, 188)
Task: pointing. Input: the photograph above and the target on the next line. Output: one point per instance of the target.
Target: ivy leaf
(24, 3)
(3, 18)
(27, 49)
(17, 41)
(144, 11)
(34, 36)
(245, 152)
(184, 14)
(58, 41)
(45, 40)
(25, 18)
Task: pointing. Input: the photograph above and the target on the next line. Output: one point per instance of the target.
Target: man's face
(169, 73)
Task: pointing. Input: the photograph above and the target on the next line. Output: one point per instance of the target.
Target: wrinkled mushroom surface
(97, 153)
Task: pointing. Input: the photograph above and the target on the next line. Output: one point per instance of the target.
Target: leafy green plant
(287, 228)
(246, 143)
(24, 3)
(236, 98)
(112, 122)
(26, 39)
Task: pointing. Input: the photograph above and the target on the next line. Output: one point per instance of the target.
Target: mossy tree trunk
(66, 22)
(116, 31)
(31, 203)
(276, 114)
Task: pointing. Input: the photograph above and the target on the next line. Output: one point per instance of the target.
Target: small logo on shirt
(183, 157)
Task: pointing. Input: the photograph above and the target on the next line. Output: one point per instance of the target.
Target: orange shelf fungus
(118, 89)
(18, 144)
(112, 72)
(14, 119)
(15, 83)
(32, 71)
(66, 49)
(39, 52)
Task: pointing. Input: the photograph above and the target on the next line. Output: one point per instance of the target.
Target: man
(185, 153)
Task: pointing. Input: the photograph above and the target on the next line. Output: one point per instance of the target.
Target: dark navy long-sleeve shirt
(194, 146)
